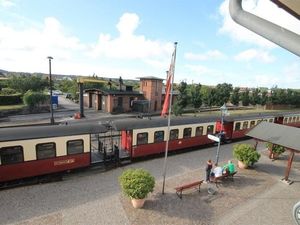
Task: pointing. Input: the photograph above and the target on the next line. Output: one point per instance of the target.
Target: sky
(133, 38)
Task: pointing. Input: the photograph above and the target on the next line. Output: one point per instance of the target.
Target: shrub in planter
(136, 183)
(245, 153)
(278, 149)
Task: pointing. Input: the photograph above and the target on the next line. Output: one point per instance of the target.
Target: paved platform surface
(255, 197)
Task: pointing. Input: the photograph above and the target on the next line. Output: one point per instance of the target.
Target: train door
(227, 129)
(126, 143)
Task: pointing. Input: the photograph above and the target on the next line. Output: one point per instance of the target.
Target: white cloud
(129, 45)
(7, 3)
(261, 8)
(254, 54)
(210, 55)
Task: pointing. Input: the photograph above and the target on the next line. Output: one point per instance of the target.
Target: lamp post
(50, 84)
(223, 113)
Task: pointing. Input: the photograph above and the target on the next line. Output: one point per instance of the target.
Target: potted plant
(245, 154)
(136, 184)
(275, 150)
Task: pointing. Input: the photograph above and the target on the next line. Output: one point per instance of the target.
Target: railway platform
(255, 197)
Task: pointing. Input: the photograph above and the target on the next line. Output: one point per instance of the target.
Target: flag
(169, 83)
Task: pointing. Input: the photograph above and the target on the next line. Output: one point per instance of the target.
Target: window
(159, 136)
(252, 123)
(237, 126)
(199, 131)
(294, 119)
(210, 129)
(11, 155)
(290, 119)
(187, 132)
(285, 120)
(75, 147)
(245, 125)
(271, 120)
(142, 138)
(174, 134)
(45, 150)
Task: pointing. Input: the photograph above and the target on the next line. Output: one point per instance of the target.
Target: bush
(278, 149)
(245, 153)
(10, 99)
(34, 99)
(136, 183)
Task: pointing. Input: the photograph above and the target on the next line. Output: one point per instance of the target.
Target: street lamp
(223, 113)
(50, 84)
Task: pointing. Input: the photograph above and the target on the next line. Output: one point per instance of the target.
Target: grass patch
(11, 107)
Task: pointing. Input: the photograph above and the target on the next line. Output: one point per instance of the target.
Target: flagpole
(172, 71)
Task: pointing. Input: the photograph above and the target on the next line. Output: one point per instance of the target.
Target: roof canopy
(291, 6)
(278, 134)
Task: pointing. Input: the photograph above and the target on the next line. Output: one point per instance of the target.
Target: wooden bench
(187, 186)
(218, 180)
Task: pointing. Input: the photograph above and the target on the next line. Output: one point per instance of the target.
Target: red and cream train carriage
(33, 151)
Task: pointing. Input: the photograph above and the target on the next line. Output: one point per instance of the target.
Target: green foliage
(136, 183)
(245, 153)
(177, 109)
(276, 148)
(235, 97)
(264, 98)
(196, 97)
(10, 99)
(34, 99)
(183, 98)
(25, 83)
(7, 91)
(245, 98)
(208, 95)
(222, 93)
(255, 97)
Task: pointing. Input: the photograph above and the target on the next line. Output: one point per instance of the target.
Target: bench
(180, 189)
(218, 180)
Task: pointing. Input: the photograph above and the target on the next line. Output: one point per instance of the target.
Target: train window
(210, 129)
(271, 120)
(11, 155)
(159, 136)
(294, 119)
(174, 134)
(74, 147)
(199, 131)
(285, 120)
(245, 125)
(252, 123)
(290, 119)
(237, 126)
(45, 150)
(142, 138)
(298, 118)
(187, 132)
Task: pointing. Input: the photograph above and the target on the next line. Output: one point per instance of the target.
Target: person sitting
(218, 171)
(229, 168)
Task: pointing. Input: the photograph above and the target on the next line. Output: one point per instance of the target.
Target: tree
(25, 83)
(222, 93)
(196, 97)
(245, 98)
(235, 97)
(34, 99)
(177, 109)
(264, 98)
(183, 98)
(255, 98)
(208, 95)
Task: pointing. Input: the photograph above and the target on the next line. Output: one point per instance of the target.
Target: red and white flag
(169, 84)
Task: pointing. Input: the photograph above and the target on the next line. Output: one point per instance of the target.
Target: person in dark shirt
(208, 169)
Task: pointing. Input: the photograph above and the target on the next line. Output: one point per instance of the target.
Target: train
(38, 151)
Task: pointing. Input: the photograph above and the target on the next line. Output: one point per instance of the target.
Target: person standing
(208, 169)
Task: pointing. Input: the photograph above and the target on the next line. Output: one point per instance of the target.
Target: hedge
(10, 99)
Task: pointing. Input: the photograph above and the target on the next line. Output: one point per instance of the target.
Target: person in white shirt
(218, 171)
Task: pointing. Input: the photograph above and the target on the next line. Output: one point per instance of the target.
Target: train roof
(130, 124)
(23, 133)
